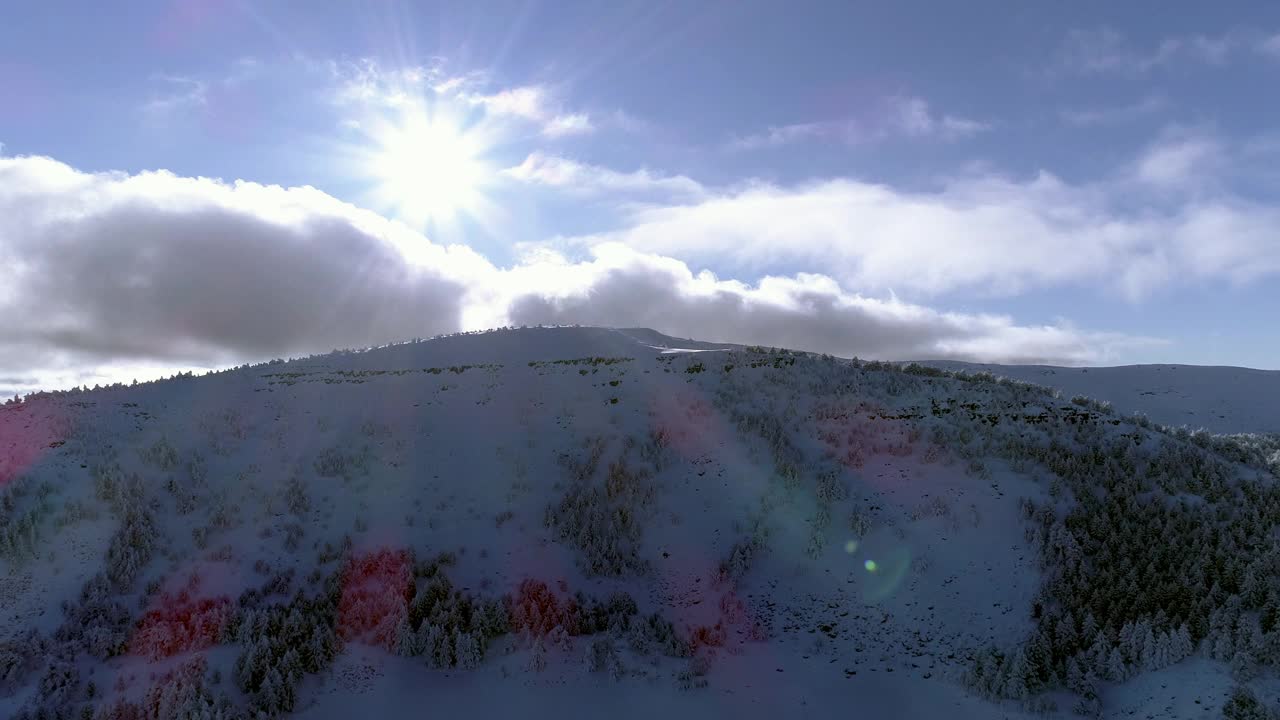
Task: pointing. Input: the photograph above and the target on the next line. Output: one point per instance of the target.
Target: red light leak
(181, 622)
(687, 422)
(376, 590)
(854, 434)
(28, 430)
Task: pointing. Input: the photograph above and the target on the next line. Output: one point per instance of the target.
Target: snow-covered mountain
(586, 522)
(1218, 399)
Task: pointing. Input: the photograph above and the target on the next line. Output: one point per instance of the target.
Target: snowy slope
(1218, 399)
(409, 526)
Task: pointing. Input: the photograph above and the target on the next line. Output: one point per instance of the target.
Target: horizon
(964, 367)
(1079, 186)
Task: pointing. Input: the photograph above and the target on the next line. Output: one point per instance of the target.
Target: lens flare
(426, 164)
(884, 574)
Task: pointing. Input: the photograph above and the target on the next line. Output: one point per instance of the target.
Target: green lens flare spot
(870, 565)
(851, 547)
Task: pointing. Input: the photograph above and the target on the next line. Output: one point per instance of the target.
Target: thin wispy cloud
(1181, 160)
(542, 169)
(177, 93)
(1115, 114)
(535, 104)
(894, 117)
(367, 82)
(573, 124)
(1106, 50)
(1270, 46)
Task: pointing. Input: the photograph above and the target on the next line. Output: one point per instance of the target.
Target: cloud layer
(108, 273)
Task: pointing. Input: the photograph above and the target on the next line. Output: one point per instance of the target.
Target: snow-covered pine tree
(407, 641)
(1099, 654)
(468, 652)
(1147, 653)
(1117, 670)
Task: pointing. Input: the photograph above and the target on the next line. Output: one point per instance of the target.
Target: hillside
(1218, 399)
(577, 522)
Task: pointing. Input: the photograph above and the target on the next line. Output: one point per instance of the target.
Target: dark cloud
(808, 312)
(113, 270)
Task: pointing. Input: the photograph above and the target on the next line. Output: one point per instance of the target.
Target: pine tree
(1099, 655)
(1066, 634)
(1244, 666)
(1183, 646)
(407, 641)
(1243, 705)
(1128, 643)
(467, 650)
(1019, 676)
(1163, 651)
(1116, 668)
(1075, 676)
(538, 656)
(435, 646)
(1147, 655)
(1089, 627)
(1039, 661)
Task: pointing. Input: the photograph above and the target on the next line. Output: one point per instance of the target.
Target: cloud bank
(109, 274)
(1165, 219)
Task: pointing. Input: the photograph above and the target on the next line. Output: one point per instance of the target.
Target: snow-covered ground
(404, 530)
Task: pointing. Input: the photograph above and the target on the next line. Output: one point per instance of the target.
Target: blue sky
(1065, 182)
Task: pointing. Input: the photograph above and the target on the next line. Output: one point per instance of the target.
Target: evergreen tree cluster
(604, 521)
(283, 641)
(444, 626)
(24, 506)
(536, 612)
(1152, 545)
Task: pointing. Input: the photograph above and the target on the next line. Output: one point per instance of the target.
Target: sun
(427, 168)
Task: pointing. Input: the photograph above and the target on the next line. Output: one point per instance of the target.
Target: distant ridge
(1220, 399)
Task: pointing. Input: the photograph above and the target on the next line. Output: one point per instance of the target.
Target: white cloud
(1180, 161)
(366, 82)
(534, 103)
(178, 93)
(911, 116)
(1092, 117)
(984, 233)
(111, 276)
(561, 125)
(776, 136)
(540, 168)
(526, 102)
(898, 116)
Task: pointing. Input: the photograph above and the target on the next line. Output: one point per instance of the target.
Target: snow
(457, 444)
